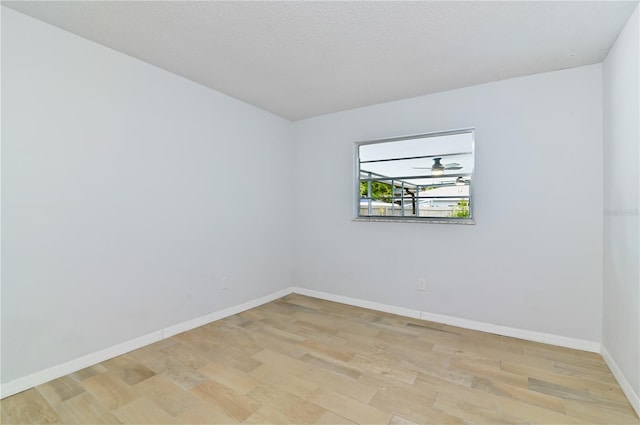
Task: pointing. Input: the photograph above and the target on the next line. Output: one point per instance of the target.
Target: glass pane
(427, 176)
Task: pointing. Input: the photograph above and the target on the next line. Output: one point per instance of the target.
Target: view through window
(427, 177)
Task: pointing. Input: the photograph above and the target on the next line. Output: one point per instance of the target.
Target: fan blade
(446, 167)
(421, 168)
(435, 186)
(452, 164)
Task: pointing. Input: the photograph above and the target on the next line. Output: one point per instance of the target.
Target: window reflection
(420, 177)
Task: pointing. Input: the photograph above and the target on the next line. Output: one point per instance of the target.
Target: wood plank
(386, 368)
(298, 410)
(84, 409)
(27, 407)
(110, 391)
(348, 407)
(88, 372)
(335, 351)
(304, 360)
(186, 355)
(142, 411)
(182, 375)
(595, 414)
(572, 394)
(413, 405)
(524, 412)
(470, 412)
(285, 381)
(203, 413)
(525, 369)
(168, 396)
(60, 389)
(230, 377)
(332, 365)
(533, 397)
(397, 420)
(282, 362)
(128, 369)
(268, 415)
(231, 403)
(357, 389)
(330, 418)
(489, 372)
(584, 371)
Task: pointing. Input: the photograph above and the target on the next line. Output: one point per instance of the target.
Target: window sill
(424, 220)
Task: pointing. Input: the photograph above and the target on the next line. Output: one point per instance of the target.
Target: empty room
(320, 212)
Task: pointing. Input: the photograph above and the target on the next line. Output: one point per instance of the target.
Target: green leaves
(461, 210)
(379, 191)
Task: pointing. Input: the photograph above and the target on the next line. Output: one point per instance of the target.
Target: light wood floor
(303, 360)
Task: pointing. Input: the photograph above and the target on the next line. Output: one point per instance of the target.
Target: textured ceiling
(302, 59)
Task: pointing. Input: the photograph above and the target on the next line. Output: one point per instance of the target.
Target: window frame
(413, 219)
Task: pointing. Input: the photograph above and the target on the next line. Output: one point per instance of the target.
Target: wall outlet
(224, 283)
(422, 284)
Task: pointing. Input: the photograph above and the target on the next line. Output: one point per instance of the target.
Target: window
(427, 178)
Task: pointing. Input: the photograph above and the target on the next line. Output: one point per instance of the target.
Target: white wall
(124, 198)
(123, 202)
(621, 295)
(533, 260)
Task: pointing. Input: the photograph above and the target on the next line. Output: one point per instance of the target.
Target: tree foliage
(379, 191)
(461, 210)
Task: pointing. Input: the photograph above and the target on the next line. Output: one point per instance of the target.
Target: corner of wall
(634, 399)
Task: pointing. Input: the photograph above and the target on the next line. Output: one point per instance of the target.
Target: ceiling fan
(437, 169)
(461, 181)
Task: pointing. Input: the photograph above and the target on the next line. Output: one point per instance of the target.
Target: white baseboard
(400, 311)
(46, 375)
(633, 398)
(54, 372)
(561, 341)
(221, 314)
